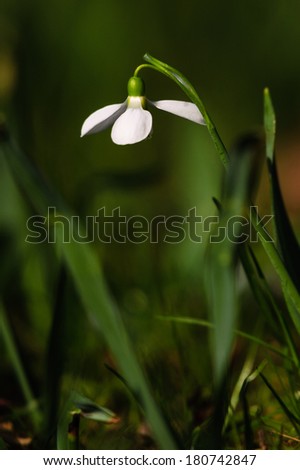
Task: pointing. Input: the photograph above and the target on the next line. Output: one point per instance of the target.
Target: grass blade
(265, 299)
(287, 243)
(242, 334)
(289, 290)
(223, 250)
(293, 419)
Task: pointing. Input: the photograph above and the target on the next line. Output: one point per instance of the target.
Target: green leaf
(249, 435)
(289, 290)
(204, 323)
(265, 300)
(270, 124)
(287, 243)
(221, 277)
(287, 261)
(91, 410)
(291, 416)
(65, 418)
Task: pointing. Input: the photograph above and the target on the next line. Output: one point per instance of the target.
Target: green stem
(18, 367)
(143, 66)
(190, 91)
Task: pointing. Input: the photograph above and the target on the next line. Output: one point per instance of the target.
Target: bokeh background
(62, 60)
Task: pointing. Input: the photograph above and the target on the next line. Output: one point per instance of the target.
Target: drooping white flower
(131, 120)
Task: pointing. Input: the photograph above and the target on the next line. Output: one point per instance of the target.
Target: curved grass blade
(242, 334)
(90, 410)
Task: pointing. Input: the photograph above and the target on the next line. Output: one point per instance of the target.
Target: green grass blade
(249, 435)
(287, 243)
(247, 368)
(65, 418)
(223, 253)
(266, 302)
(293, 419)
(289, 290)
(242, 334)
(223, 311)
(248, 431)
(270, 124)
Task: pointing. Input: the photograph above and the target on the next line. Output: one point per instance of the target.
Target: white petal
(132, 127)
(180, 108)
(102, 118)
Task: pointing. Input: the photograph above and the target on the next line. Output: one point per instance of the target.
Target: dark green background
(61, 60)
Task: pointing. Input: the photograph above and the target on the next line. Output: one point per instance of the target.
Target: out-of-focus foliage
(60, 61)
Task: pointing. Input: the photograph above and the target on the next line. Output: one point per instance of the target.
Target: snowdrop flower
(131, 120)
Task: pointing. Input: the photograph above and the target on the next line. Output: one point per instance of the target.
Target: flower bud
(136, 87)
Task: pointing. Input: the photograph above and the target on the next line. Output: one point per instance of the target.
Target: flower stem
(190, 91)
(142, 66)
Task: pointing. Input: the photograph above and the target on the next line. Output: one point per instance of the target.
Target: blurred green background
(62, 60)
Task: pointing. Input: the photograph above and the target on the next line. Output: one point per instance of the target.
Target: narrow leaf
(91, 410)
(293, 419)
(221, 284)
(270, 124)
(288, 246)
